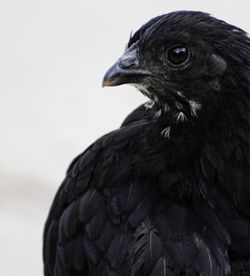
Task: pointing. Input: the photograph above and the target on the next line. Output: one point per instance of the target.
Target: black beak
(126, 70)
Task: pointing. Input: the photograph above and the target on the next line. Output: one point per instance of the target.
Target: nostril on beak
(128, 63)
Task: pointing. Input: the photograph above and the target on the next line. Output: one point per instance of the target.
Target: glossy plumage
(167, 193)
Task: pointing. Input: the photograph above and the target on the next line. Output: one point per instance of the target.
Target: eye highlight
(178, 55)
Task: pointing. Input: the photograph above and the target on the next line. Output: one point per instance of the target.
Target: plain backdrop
(53, 55)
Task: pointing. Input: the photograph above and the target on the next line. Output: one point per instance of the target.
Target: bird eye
(178, 55)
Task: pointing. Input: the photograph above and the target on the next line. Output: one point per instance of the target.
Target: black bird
(168, 193)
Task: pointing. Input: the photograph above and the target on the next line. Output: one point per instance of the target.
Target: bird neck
(208, 146)
(225, 116)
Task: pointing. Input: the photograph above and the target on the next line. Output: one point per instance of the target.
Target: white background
(53, 55)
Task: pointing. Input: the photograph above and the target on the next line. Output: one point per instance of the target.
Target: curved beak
(126, 70)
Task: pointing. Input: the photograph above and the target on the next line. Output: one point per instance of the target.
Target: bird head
(182, 59)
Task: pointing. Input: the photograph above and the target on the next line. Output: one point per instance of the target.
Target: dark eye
(178, 55)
